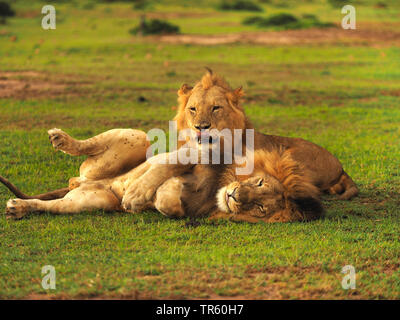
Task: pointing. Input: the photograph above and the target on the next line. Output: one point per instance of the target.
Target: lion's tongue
(202, 136)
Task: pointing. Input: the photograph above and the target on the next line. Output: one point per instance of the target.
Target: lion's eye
(260, 183)
(192, 109)
(216, 108)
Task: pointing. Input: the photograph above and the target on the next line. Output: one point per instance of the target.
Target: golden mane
(211, 79)
(279, 164)
(295, 180)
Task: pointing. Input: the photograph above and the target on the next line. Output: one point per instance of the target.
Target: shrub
(240, 5)
(286, 21)
(280, 19)
(381, 5)
(155, 26)
(5, 12)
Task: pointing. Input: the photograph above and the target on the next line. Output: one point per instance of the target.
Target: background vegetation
(337, 88)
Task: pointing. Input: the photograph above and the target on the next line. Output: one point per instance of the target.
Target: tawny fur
(289, 196)
(113, 154)
(326, 170)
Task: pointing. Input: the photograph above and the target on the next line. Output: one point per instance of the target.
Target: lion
(210, 104)
(279, 189)
(104, 176)
(213, 104)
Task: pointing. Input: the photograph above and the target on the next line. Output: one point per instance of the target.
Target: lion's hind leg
(77, 200)
(110, 153)
(64, 142)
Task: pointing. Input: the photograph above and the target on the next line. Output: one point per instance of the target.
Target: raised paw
(60, 140)
(16, 209)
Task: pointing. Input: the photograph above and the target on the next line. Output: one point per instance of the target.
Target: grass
(91, 74)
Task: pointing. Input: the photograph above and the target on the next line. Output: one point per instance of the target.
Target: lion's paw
(60, 140)
(16, 209)
(137, 199)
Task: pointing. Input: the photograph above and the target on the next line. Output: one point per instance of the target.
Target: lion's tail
(345, 187)
(55, 194)
(350, 188)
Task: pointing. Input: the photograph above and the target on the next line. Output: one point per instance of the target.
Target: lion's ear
(184, 90)
(236, 94)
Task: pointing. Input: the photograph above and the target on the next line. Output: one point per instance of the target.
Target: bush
(381, 5)
(280, 19)
(240, 5)
(155, 26)
(5, 11)
(286, 21)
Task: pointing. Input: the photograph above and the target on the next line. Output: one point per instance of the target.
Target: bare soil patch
(290, 37)
(27, 122)
(32, 84)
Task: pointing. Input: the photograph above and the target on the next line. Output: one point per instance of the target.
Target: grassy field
(88, 75)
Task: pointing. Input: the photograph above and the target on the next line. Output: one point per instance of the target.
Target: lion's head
(210, 104)
(279, 190)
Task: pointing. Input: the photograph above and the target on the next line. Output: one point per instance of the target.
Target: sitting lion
(279, 190)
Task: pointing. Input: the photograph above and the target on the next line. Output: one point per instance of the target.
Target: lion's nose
(203, 126)
(232, 194)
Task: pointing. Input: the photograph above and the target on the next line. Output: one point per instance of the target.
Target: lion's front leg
(141, 191)
(168, 198)
(220, 215)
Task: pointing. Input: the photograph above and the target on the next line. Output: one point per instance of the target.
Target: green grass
(345, 98)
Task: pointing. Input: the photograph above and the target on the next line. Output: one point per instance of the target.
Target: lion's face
(280, 190)
(209, 108)
(257, 196)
